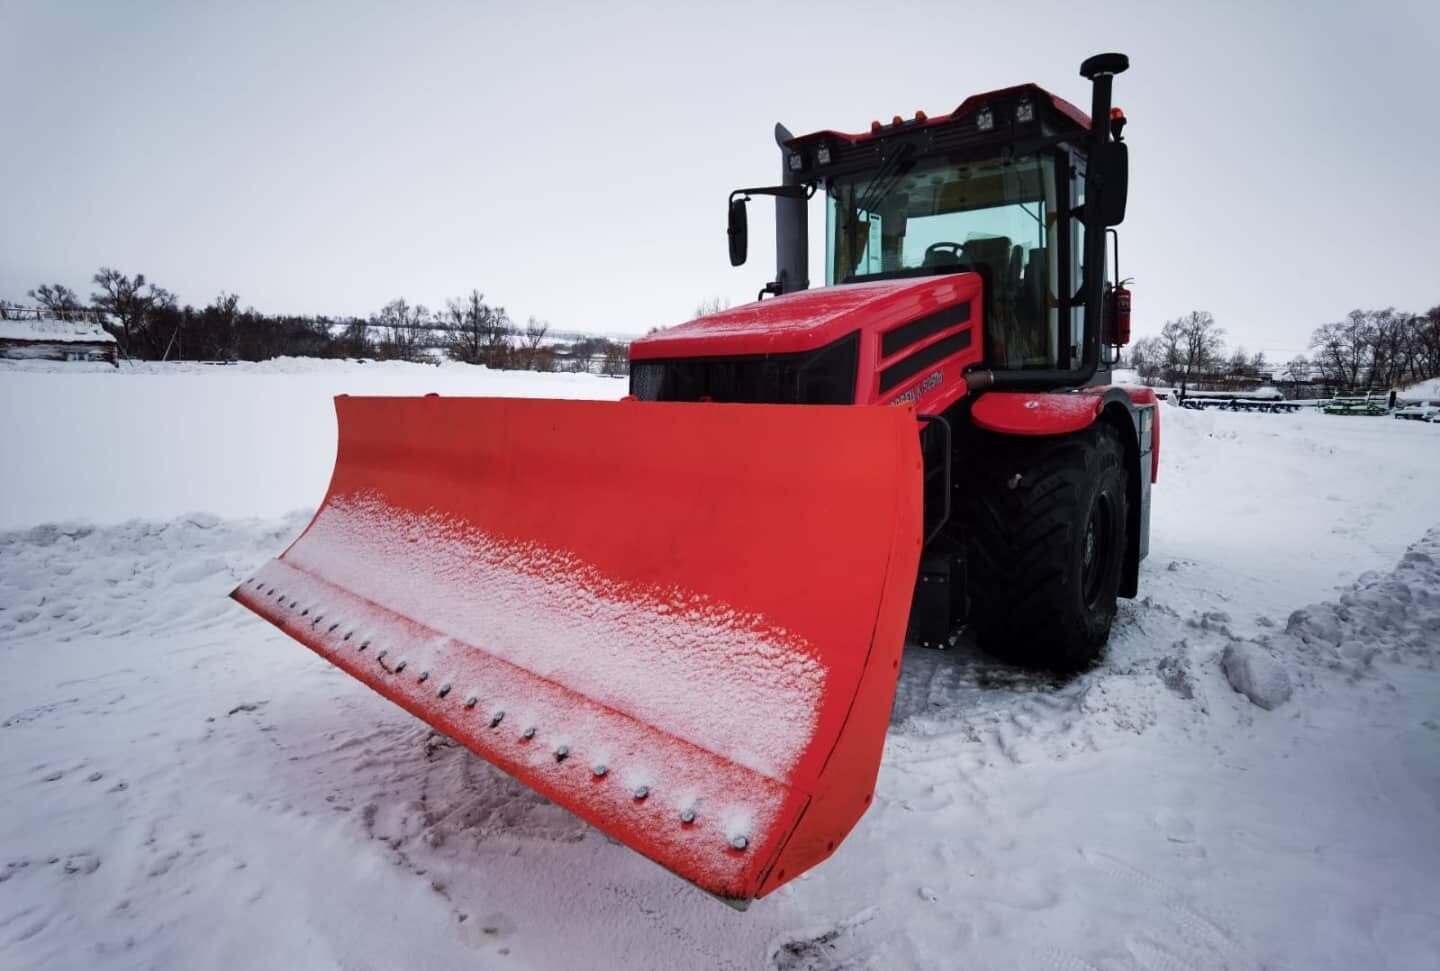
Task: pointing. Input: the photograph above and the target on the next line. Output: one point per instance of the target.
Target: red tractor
(965, 271)
(682, 615)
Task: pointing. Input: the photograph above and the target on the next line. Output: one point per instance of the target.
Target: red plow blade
(682, 622)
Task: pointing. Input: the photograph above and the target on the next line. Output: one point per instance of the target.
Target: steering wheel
(944, 254)
(943, 246)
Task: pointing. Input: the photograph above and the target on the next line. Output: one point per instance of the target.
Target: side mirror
(738, 230)
(1114, 171)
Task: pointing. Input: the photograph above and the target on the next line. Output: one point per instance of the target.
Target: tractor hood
(807, 319)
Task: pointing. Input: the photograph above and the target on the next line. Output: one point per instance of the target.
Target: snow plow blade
(682, 622)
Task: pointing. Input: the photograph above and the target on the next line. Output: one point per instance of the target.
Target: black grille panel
(822, 377)
(923, 358)
(917, 330)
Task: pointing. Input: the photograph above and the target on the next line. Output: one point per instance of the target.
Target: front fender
(1132, 411)
(1037, 412)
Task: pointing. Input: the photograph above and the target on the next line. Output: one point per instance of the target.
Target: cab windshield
(995, 217)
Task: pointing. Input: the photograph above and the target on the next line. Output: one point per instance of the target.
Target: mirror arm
(804, 191)
(738, 231)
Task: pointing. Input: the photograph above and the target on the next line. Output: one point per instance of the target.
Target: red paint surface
(1037, 412)
(1061, 413)
(761, 507)
(810, 319)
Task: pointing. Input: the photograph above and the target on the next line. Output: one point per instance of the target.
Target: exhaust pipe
(792, 229)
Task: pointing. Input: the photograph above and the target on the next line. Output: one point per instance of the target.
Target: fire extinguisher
(1117, 314)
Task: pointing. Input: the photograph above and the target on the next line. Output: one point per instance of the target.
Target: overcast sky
(572, 161)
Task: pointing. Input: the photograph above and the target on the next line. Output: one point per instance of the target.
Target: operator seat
(1031, 309)
(994, 257)
(993, 251)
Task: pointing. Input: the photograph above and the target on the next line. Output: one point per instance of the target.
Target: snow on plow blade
(682, 622)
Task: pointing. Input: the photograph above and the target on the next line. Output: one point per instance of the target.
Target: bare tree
(452, 324)
(132, 302)
(1343, 349)
(1392, 350)
(1147, 357)
(1297, 372)
(1239, 364)
(1427, 344)
(59, 300)
(617, 359)
(1378, 348)
(1194, 344)
(400, 329)
(355, 338)
(220, 321)
(712, 306)
(534, 354)
(476, 332)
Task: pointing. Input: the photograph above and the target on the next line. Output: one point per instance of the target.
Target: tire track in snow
(1214, 943)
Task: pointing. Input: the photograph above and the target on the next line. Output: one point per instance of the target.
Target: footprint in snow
(488, 929)
(822, 949)
(83, 864)
(13, 868)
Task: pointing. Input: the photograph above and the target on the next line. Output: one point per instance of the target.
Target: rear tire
(1047, 542)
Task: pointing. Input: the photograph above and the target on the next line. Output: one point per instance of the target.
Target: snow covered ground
(153, 440)
(182, 786)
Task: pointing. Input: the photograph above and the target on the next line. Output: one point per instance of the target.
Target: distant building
(36, 335)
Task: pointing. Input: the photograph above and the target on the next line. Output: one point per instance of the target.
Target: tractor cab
(924, 197)
(1014, 185)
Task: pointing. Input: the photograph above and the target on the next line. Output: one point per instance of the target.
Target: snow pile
(1256, 675)
(1395, 615)
(1425, 391)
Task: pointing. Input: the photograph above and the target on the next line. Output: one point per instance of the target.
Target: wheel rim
(1096, 550)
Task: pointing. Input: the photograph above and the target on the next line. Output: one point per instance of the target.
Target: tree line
(149, 323)
(1378, 349)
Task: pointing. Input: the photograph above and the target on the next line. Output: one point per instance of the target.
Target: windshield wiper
(872, 193)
